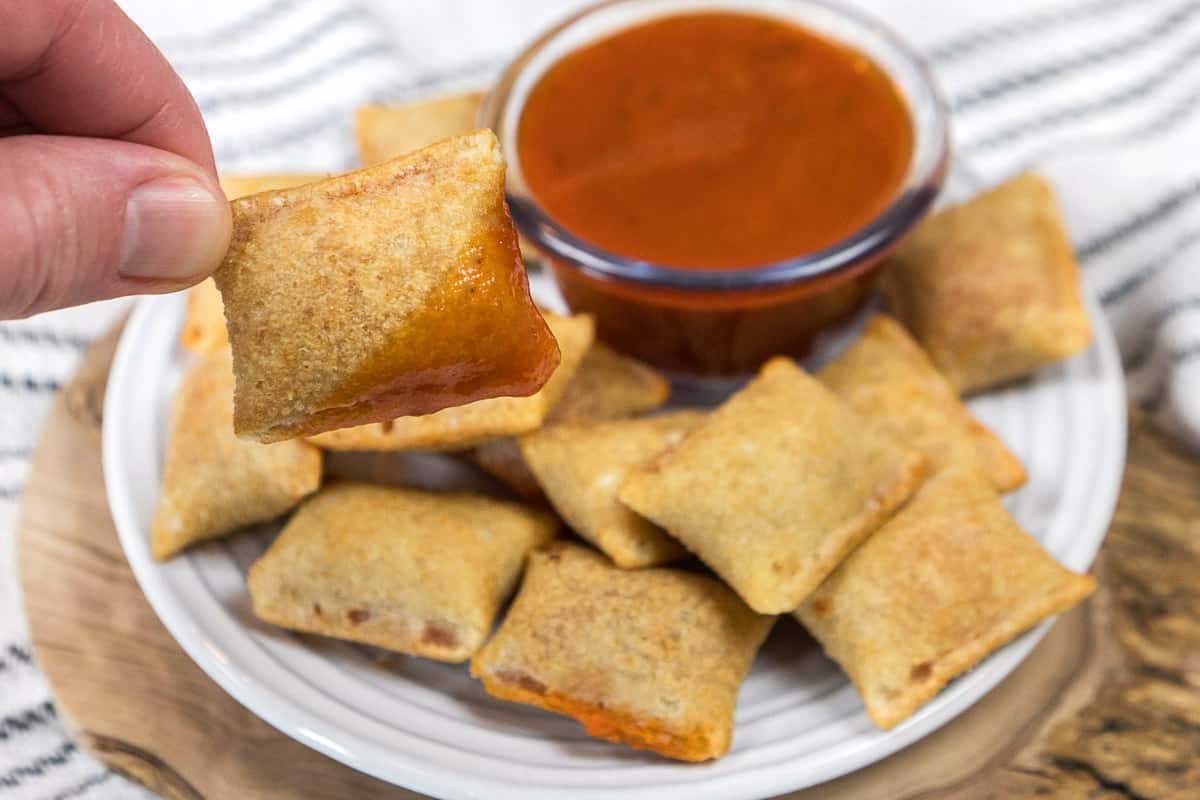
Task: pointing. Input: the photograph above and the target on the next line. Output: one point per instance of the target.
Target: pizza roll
(408, 570)
(990, 288)
(204, 324)
(204, 321)
(580, 467)
(886, 377)
(652, 658)
(213, 482)
(387, 131)
(392, 291)
(464, 426)
(607, 385)
(776, 487)
(945, 582)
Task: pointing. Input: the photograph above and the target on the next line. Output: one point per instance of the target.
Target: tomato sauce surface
(714, 141)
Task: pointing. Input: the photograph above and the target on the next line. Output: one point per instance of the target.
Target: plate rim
(408, 771)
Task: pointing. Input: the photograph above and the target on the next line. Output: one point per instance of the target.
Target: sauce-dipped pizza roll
(886, 377)
(392, 291)
(464, 426)
(580, 467)
(652, 658)
(776, 486)
(204, 326)
(990, 288)
(945, 582)
(607, 385)
(408, 570)
(213, 482)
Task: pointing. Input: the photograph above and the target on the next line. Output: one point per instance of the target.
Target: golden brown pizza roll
(886, 377)
(204, 322)
(580, 466)
(652, 658)
(607, 385)
(392, 291)
(946, 581)
(409, 570)
(776, 487)
(467, 425)
(990, 288)
(204, 326)
(213, 482)
(387, 131)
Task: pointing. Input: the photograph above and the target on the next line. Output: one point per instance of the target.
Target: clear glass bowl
(724, 322)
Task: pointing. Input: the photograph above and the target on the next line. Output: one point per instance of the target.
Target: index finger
(83, 68)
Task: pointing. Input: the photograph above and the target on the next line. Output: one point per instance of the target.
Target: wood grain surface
(1107, 706)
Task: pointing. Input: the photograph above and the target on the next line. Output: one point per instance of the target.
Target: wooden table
(1107, 706)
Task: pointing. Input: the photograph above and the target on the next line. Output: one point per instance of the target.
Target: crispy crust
(653, 658)
(887, 378)
(393, 291)
(214, 483)
(413, 571)
(607, 385)
(948, 580)
(203, 329)
(467, 425)
(580, 466)
(991, 288)
(776, 487)
(204, 323)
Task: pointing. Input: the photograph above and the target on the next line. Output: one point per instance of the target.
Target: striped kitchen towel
(1100, 95)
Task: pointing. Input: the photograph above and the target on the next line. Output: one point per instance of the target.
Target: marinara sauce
(713, 141)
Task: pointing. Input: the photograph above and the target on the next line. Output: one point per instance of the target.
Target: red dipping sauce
(671, 169)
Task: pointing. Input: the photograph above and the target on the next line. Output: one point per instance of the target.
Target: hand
(107, 181)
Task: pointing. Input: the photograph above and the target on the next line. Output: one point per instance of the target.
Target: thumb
(89, 219)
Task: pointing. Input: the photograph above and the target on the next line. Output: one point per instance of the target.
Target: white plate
(429, 727)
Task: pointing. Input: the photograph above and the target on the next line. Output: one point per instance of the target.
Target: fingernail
(176, 229)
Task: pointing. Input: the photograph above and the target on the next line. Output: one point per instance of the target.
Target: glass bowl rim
(911, 203)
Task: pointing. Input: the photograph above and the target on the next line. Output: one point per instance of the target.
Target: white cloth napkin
(1103, 97)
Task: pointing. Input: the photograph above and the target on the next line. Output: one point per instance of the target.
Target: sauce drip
(714, 141)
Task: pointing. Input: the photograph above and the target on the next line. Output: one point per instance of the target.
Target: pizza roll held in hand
(213, 482)
(607, 385)
(887, 378)
(652, 658)
(945, 582)
(990, 288)
(580, 466)
(392, 291)
(776, 487)
(204, 326)
(409, 570)
(467, 425)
